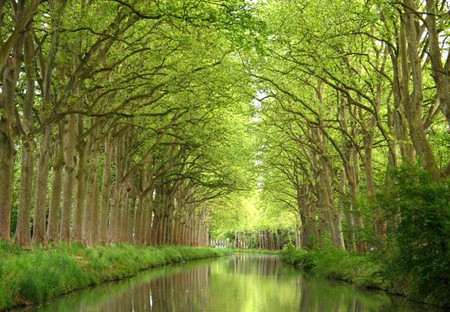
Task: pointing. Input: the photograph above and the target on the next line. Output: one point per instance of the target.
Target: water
(238, 283)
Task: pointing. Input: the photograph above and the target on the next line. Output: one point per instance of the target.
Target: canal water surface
(243, 282)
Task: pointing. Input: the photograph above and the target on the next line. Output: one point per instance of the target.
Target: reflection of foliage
(418, 212)
(262, 284)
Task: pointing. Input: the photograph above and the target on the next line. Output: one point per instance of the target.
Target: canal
(243, 282)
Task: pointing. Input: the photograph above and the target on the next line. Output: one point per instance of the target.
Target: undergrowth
(362, 270)
(417, 253)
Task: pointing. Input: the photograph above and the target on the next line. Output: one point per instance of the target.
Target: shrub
(299, 257)
(417, 254)
(361, 270)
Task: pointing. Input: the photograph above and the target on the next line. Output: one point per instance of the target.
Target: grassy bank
(29, 277)
(363, 270)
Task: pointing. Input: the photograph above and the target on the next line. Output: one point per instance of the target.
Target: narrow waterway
(241, 282)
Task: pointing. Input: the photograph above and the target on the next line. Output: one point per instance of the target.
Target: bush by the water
(35, 276)
(362, 270)
(417, 255)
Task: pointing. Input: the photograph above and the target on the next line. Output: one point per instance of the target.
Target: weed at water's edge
(28, 277)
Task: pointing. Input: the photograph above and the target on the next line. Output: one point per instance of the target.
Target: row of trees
(134, 125)
(265, 239)
(349, 91)
(120, 120)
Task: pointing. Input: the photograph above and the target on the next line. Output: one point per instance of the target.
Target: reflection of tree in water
(185, 291)
(257, 265)
(240, 283)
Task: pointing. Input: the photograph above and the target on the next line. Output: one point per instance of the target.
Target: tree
(128, 83)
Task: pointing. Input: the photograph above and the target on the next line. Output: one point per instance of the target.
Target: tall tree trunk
(158, 216)
(307, 217)
(414, 103)
(23, 231)
(81, 183)
(69, 181)
(40, 206)
(6, 178)
(128, 209)
(148, 200)
(440, 71)
(330, 220)
(336, 214)
(114, 211)
(125, 199)
(148, 208)
(144, 204)
(353, 179)
(86, 233)
(379, 224)
(8, 124)
(54, 215)
(401, 72)
(106, 191)
(90, 213)
(139, 220)
(46, 66)
(131, 234)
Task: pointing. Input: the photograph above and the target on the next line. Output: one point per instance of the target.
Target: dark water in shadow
(238, 283)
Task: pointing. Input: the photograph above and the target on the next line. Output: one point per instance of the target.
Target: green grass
(29, 277)
(363, 270)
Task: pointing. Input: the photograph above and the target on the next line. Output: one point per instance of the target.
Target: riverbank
(31, 277)
(256, 251)
(362, 270)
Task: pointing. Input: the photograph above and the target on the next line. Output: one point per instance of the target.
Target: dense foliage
(122, 127)
(417, 255)
(348, 92)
